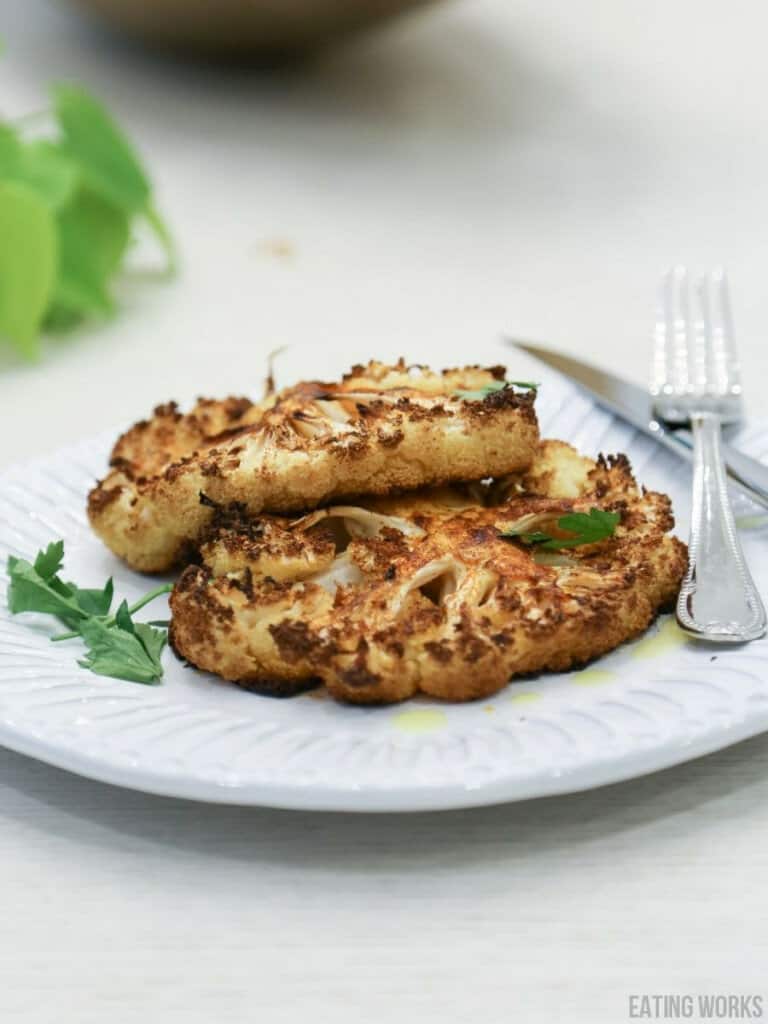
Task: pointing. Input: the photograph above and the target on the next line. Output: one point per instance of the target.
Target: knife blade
(632, 403)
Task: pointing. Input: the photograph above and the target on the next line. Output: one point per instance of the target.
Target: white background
(485, 167)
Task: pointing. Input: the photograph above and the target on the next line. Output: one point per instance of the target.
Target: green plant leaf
(61, 318)
(153, 642)
(31, 591)
(94, 601)
(109, 162)
(586, 528)
(10, 151)
(48, 562)
(116, 652)
(49, 172)
(93, 236)
(163, 234)
(117, 646)
(28, 262)
(56, 269)
(490, 389)
(123, 618)
(39, 164)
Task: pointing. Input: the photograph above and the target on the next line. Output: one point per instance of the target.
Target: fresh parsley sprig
(68, 208)
(497, 385)
(116, 645)
(585, 528)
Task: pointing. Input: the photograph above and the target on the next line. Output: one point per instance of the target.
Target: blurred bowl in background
(243, 27)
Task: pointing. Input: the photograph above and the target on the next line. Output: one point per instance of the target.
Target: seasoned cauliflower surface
(421, 593)
(379, 430)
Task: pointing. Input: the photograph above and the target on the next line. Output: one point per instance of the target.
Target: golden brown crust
(151, 446)
(381, 429)
(422, 593)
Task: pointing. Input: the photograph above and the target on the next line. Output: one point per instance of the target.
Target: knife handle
(746, 471)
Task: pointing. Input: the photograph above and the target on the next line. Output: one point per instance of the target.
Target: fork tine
(670, 351)
(726, 377)
(694, 349)
(702, 361)
(661, 342)
(710, 312)
(679, 330)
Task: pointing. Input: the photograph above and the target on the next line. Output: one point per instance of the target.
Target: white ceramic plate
(653, 703)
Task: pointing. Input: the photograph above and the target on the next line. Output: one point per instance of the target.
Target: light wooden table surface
(485, 167)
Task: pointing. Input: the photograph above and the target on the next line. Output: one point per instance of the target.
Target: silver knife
(631, 403)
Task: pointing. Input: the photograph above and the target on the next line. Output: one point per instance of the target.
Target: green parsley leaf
(490, 389)
(117, 646)
(123, 618)
(38, 588)
(48, 562)
(153, 641)
(587, 528)
(94, 602)
(31, 590)
(530, 538)
(28, 261)
(118, 653)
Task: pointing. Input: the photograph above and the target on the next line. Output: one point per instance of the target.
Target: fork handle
(718, 599)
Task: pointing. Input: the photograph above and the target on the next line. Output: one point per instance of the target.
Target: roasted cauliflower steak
(380, 429)
(422, 593)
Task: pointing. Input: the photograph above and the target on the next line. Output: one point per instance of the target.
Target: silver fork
(696, 382)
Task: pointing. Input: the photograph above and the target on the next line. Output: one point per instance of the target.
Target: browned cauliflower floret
(423, 593)
(381, 429)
